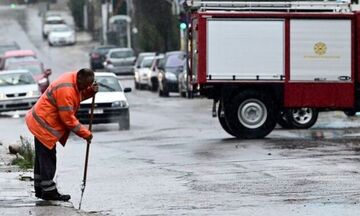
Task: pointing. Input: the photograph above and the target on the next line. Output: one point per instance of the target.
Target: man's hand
(95, 87)
(89, 138)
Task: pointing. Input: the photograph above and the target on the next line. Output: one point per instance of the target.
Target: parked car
(37, 69)
(50, 23)
(186, 89)
(98, 56)
(61, 35)
(18, 90)
(169, 69)
(154, 71)
(120, 61)
(143, 72)
(140, 58)
(110, 102)
(16, 56)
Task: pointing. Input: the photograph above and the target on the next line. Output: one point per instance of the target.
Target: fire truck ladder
(320, 6)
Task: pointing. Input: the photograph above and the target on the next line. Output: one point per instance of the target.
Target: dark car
(169, 69)
(36, 68)
(97, 56)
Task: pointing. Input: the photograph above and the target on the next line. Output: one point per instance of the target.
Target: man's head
(85, 77)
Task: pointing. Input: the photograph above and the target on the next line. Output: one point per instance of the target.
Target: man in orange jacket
(52, 119)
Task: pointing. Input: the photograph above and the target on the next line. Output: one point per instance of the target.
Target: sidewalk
(17, 197)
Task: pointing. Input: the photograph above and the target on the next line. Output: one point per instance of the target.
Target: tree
(77, 11)
(157, 26)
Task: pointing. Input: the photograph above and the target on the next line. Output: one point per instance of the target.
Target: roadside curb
(17, 197)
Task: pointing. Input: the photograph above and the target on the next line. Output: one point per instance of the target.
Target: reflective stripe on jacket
(53, 116)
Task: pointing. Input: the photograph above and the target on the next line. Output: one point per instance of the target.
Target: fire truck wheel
(302, 118)
(350, 113)
(283, 121)
(251, 115)
(222, 120)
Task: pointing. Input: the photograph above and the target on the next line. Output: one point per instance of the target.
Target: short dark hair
(85, 72)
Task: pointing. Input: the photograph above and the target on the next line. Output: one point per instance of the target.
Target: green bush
(28, 154)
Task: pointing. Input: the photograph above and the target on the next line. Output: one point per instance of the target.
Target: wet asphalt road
(176, 159)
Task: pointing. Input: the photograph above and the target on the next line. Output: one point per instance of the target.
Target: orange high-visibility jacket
(53, 116)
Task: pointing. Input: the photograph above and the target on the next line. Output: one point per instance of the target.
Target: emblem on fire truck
(320, 48)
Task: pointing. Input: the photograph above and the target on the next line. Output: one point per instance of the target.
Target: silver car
(18, 90)
(120, 61)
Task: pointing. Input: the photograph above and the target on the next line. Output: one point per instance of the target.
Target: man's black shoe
(55, 195)
(38, 192)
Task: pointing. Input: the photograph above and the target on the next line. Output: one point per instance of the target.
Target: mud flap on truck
(214, 113)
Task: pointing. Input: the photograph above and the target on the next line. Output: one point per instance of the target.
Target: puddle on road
(318, 134)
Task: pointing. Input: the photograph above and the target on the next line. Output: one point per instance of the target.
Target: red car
(36, 68)
(16, 56)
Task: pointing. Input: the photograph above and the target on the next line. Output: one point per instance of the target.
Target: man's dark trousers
(44, 169)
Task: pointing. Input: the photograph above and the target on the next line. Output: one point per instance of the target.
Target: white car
(111, 104)
(120, 61)
(18, 90)
(62, 35)
(50, 23)
(143, 73)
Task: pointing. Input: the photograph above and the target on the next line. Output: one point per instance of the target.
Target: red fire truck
(274, 62)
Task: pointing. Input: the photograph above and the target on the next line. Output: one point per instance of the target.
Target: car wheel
(250, 114)
(165, 91)
(50, 44)
(302, 118)
(283, 121)
(154, 86)
(124, 122)
(350, 113)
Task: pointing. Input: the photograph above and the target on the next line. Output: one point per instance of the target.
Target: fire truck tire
(283, 121)
(350, 113)
(222, 120)
(302, 118)
(251, 114)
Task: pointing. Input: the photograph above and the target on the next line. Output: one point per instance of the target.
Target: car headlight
(33, 93)
(170, 76)
(120, 104)
(2, 95)
(42, 81)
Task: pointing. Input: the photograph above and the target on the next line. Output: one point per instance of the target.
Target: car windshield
(175, 60)
(141, 57)
(108, 84)
(16, 79)
(54, 21)
(12, 60)
(147, 62)
(61, 29)
(122, 54)
(103, 50)
(34, 69)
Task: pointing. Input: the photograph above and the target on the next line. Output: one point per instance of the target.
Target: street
(177, 160)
